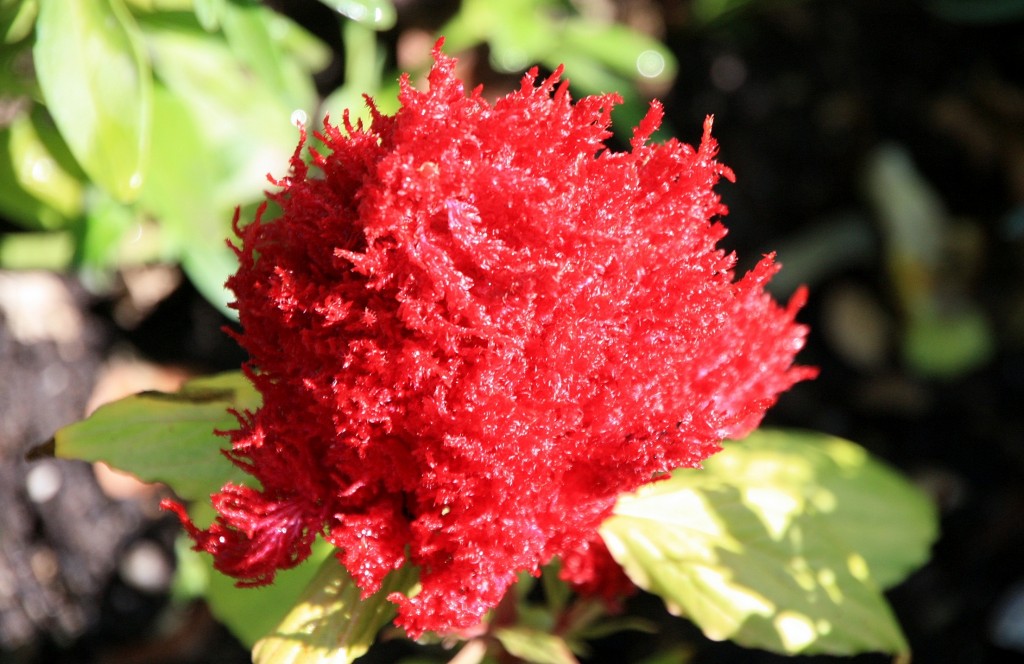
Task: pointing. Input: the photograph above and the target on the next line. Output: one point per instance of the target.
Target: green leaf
(614, 625)
(625, 51)
(214, 154)
(364, 64)
(364, 58)
(16, 79)
(98, 88)
(946, 343)
(195, 226)
(248, 29)
(162, 5)
(37, 191)
(556, 591)
(16, 19)
(36, 251)
(180, 188)
(250, 613)
(241, 142)
(708, 11)
(378, 14)
(208, 268)
(779, 543)
(522, 34)
(167, 437)
(105, 232)
(253, 613)
(518, 32)
(208, 13)
(881, 515)
(534, 646)
(331, 622)
(303, 46)
(675, 655)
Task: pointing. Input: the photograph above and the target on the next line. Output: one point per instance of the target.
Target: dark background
(805, 95)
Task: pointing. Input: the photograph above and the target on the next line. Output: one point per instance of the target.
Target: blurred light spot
(824, 500)
(827, 580)
(846, 455)
(650, 64)
(801, 572)
(43, 482)
(1013, 223)
(728, 73)
(509, 59)
(145, 567)
(299, 117)
(858, 567)
(44, 565)
(42, 170)
(775, 508)
(743, 600)
(136, 235)
(356, 11)
(1008, 624)
(795, 629)
(54, 378)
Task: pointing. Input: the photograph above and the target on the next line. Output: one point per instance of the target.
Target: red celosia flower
(474, 327)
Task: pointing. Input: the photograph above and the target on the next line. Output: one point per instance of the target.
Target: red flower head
(474, 327)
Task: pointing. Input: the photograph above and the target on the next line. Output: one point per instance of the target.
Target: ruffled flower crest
(474, 326)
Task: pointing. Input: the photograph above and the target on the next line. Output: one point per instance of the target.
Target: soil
(810, 99)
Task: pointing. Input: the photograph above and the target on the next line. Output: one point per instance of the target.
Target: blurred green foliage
(130, 130)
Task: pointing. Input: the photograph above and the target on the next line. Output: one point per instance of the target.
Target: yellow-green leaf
(535, 646)
(37, 191)
(330, 623)
(16, 19)
(378, 14)
(98, 87)
(780, 543)
(252, 613)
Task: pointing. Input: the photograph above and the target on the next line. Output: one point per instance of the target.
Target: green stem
(362, 60)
